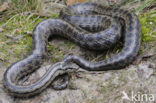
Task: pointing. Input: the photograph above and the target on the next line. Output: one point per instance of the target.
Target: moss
(52, 47)
(109, 87)
(148, 22)
(58, 101)
(122, 77)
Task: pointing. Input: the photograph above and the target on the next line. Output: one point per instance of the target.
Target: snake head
(69, 67)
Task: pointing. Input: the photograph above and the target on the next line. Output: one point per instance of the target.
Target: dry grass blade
(70, 2)
(145, 4)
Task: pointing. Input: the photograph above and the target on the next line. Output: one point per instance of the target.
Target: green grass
(18, 26)
(22, 25)
(140, 4)
(27, 5)
(57, 53)
(145, 4)
(148, 22)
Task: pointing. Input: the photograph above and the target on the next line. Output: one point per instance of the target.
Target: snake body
(71, 26)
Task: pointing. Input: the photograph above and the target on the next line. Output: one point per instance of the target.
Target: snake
(85, 25)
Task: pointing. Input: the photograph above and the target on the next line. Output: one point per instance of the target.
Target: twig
(58, 5)
(56, 1)
(34, 20)
(10, 36)
(98, 57)
(152, 33)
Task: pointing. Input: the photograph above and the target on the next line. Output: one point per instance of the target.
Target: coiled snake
(73, 20)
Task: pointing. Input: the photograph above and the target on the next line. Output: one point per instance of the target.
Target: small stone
(1, 29)
(151, 23)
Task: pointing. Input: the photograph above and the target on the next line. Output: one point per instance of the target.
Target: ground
(137, 80)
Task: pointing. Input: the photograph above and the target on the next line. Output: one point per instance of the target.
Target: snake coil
(71, 25)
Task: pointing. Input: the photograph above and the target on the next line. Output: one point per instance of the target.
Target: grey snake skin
(71, 24)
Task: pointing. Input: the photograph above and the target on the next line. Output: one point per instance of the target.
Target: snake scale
(71, 24)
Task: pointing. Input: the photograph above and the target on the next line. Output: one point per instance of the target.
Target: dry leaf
(4, 6)
(72, 76)
(19, 30)
(21, 25)
(71, 2)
